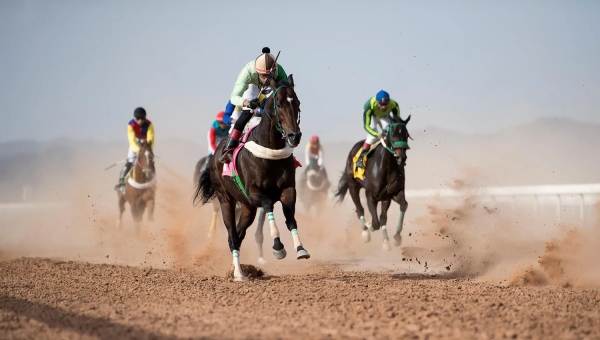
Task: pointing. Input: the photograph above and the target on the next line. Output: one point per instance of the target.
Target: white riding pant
(381, 122)
(252, 122)
(131, 156)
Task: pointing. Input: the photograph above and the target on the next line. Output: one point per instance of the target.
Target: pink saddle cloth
(231, 167)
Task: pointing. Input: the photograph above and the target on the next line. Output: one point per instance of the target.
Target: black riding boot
(122, 175)
(227, 155)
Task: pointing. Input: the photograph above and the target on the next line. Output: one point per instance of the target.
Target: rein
(279, 127)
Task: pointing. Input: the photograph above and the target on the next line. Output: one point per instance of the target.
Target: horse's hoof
(302, 254)
(280, 254)
(366, 236)
(397, 240)
(262, 261)
(370, 226)
(386, 245)
(240, 279)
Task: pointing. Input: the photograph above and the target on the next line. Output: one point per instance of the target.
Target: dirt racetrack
(464, 271)
(46, 299)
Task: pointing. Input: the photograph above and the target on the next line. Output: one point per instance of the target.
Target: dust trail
(571, 259)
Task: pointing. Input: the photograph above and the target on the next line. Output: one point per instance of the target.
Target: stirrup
(360, 163)
(227, 156)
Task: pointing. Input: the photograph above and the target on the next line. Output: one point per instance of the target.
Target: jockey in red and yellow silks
(139, 128)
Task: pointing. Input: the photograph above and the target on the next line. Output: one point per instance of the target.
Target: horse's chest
(387, 189)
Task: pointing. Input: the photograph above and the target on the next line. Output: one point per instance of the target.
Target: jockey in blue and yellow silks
(257, 72)
(376, 113)
(139, 128)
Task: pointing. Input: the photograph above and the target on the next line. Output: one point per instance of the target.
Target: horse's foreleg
(122, 202)
(288, 203)
(228, 210)
(385, 205)
(401, 200)
(260, 200)
(259, 235)
(360, 211)
(150, 206)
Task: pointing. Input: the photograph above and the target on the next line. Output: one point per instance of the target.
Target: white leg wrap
(272, 225)
(363, 224)
(237, 269)
(386, 240)
(296, 238)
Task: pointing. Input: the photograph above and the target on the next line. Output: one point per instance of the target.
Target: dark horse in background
(312, 189)
(385, 180)
(140, 188)
(266, 179)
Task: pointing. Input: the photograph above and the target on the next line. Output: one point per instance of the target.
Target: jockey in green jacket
(376, 113)
(258, 72)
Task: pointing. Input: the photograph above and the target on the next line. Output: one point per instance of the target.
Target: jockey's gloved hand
(253, 104)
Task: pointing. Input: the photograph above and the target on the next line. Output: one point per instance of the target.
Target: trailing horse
(383, 179)
(140, 189)
(312, 190)
(261, 174)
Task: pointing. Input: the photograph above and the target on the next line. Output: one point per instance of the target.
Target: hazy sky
(79, 68)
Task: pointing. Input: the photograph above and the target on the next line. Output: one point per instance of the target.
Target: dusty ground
(45, 299)
(499, 273)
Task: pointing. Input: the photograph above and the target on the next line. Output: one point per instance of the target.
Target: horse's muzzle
(148, 172)
(293, 138)
(400, 155)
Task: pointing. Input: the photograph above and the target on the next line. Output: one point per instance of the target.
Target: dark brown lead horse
(385, 180)
(267, 174)
(140, 188)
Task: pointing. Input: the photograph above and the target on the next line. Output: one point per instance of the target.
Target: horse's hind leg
(385, 205)
(360, 211)
(259, 235)
(288, 203)
(228, 209)
(400, 199)
(215, 217)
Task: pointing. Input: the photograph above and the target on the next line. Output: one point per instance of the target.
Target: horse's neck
(388, 158)
(266, 133)
(138, 174)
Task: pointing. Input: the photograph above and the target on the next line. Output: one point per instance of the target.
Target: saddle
(359, 173)
(230, 169)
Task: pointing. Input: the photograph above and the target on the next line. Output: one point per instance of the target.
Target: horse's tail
(205, 191)
(342, 187)
(198, 169)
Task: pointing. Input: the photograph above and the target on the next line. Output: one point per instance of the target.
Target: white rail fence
(560, 196)
(580, 195)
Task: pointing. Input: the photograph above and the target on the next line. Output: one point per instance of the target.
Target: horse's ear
(407, 120)
(290, 80)
(272, 83)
